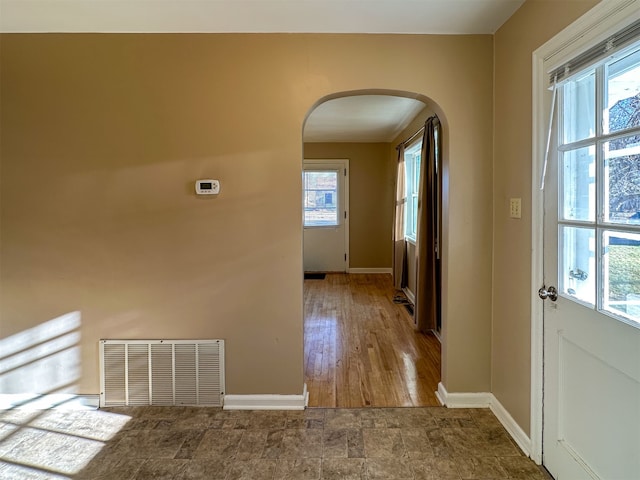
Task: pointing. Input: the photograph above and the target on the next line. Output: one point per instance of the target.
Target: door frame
(344, 163)
(596, 25)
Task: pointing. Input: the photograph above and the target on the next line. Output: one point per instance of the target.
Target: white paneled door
(325, 201)
(591, 426)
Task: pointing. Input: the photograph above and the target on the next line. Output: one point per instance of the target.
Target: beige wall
(103, 136)
(530, 27)
(371, 181)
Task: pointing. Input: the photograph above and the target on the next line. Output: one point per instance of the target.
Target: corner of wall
(486, 400)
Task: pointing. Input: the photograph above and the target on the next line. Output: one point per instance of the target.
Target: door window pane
(579, 187)
(577, 267)
(320, 198)
(599, 187)
(622, 180)
(622, 110)
(579, 108)
(621, 266)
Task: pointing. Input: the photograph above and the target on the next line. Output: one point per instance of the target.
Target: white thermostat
(207, 187)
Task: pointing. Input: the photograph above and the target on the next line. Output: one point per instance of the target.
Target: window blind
(596, 53)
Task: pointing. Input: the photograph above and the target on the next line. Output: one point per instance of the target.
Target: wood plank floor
(361, 349)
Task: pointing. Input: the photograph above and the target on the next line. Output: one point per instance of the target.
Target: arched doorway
(361, 348)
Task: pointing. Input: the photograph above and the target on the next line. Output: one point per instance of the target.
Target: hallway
(361, 349)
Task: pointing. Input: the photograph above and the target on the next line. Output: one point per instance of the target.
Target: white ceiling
(310, 16)
(364, 118)
(361, 118)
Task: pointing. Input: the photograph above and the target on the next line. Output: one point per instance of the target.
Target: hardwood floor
(361, 349)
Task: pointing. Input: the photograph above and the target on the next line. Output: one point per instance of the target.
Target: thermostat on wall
(207, 187)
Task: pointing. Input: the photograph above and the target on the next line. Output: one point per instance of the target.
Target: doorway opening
(325, 204)
(361, 344)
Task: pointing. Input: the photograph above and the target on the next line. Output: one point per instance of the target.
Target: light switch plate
(515, 207)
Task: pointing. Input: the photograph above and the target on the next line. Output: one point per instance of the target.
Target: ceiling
(363, 118)
(243, 16)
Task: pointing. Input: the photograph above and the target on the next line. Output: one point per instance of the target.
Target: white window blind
(597, 53)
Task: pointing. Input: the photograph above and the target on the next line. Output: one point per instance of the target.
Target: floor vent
(161, 372)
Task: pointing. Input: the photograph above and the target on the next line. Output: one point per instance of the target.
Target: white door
(325, 215)
(591, 426)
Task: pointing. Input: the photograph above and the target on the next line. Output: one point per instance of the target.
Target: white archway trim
(596, 25)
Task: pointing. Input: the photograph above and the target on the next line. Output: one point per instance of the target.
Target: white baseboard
(410, 296)
(486, 400)
(370, 270)
(58, 401)
(462, 400)
(267, 401)
(510, 425)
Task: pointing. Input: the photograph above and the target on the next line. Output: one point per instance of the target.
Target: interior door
(325, 215)
(591, 426)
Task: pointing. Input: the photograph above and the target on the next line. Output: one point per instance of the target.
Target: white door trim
(344, 162)
(596, 25)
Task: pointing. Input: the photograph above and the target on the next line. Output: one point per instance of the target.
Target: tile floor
(209, 443)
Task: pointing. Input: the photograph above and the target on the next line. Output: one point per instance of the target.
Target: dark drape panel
(427, 284)
(399, 243)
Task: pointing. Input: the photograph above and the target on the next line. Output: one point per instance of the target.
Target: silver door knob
(551, 293)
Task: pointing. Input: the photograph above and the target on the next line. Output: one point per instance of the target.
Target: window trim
(339, 217)
(412, 188)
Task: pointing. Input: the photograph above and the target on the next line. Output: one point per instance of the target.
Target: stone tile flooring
(209, 443)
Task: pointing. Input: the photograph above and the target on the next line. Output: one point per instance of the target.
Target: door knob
(551, 293)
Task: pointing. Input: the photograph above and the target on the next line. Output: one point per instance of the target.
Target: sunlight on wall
(45, 431)
(41, 360)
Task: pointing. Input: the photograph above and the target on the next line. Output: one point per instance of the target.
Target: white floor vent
(161, 372)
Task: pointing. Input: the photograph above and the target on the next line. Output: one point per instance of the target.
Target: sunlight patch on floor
(53, 444)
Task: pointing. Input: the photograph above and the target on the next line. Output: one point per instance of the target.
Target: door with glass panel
(592, 261)
(325, 217)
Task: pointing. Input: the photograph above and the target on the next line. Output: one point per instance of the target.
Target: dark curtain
(427, 285)
(399, 243)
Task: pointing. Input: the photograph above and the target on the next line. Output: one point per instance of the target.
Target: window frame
(412, 189)
(338, 216)
(601, 226)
